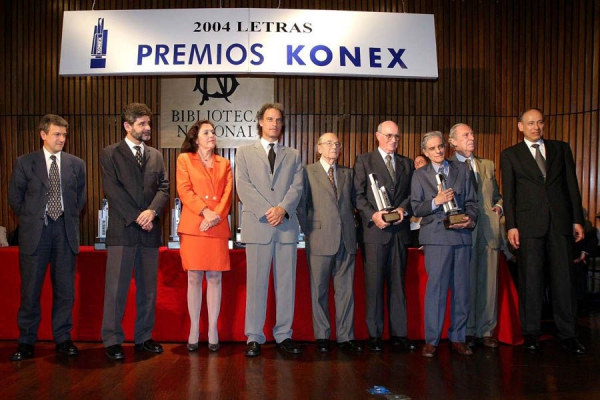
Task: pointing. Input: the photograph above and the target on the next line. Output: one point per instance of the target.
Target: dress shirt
(532, 150)
(384, 155)
(131, 145)
(326, 167)
(265, 144)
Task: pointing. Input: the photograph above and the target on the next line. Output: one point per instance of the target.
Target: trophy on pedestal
(175, 215)
(453, 214)
(383, 201)
(100, 243)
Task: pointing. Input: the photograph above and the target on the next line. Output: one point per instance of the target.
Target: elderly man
(447, 249)
(544, 216)
(269, 183)
(385, 243)
(326, 215)
(486, 238)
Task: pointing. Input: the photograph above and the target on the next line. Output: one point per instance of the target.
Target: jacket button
(214, 197)
(206, 197)
(272, 190)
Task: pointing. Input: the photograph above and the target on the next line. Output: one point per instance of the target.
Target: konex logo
(99, 43)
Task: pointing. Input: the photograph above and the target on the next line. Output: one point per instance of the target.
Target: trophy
(175, 215)
(453, 214)
(100, 243)
(383, 201)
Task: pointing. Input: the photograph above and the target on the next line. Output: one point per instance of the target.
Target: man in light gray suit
(326, 215)
(486, 239)
(269, 184)
(447, 251)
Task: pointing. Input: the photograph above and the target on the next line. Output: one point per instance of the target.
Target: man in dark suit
(486, 238)
(326, 214)
(137, 190)
(269, 184)
(544, 216)
(47, 193)
(447, 250)
(385, 244)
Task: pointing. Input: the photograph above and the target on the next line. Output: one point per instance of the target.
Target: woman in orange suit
(204, 184)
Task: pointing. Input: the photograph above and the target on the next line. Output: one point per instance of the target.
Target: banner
(229, 102)
(248, 41)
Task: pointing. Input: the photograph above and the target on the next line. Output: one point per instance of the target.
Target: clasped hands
(211, 219)
(275, 215)
(144, 220)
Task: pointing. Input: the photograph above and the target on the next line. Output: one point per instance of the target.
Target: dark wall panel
(495, 59)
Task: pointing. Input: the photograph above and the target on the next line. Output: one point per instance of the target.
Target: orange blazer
(198, 188)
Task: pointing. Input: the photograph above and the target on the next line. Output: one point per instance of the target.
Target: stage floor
(508, 372)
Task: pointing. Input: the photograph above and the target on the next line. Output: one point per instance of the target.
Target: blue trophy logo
(99, 42)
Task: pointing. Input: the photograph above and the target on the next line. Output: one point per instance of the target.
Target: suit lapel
(280, 156)
(40, 169)
(529, 165)
(550, 155)
(199, 165)
(66, 169)
(452, 173)
(341, 178)
(262, 155)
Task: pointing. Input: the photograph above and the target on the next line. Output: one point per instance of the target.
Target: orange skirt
(203, 253)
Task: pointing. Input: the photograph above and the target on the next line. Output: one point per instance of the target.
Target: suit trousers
(258, 260)
(483, 283)
(385, 264)
(53, 248)
(121, 263)
(447, 268)
(322, 268)
(554, 253)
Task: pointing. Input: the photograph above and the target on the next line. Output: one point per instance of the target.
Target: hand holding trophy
(383, 201)
(453, 214)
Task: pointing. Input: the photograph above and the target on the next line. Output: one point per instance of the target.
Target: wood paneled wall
(496, 58)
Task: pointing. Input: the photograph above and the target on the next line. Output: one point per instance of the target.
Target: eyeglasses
(331, 144)
(390, 136)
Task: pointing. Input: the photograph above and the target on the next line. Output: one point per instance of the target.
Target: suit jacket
(398, 192)
(424, 189)
(28, 195)
(198, 188)
(530, 202)
(130, 190)
(488, 195)
(260, 190)
(325, 219)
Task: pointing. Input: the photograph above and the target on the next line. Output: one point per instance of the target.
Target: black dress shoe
(252, 349)
(574, 346)
(192, 346)
(351, 345)
(375, 344)
(289, 346)
(115, 352)
(402, 341)
(323, 345)
(67, 348)
(24, 351)
(532, 343)
(470, 341)
(149, 345)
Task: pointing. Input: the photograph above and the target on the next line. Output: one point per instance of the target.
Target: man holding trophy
(382, 184)
(442, 194)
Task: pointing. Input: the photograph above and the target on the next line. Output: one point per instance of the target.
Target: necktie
(271, 156)
(54, 202)
(441, 172)
(332, 181)
(138, 155)
(539, 159)
(473, 177)
(390, 168)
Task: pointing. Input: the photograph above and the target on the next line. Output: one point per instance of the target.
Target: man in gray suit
(486, 239)
(326, 215)
(385, 244)
(47, 193)
(269, 184)
(137, 190)
(447, 251)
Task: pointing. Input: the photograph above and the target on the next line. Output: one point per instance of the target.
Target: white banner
(229, 102)
(248, 41)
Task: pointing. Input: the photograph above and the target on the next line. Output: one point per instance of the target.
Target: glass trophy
(175, 215)
(383, 201)
(100, 243)
(453, 214)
